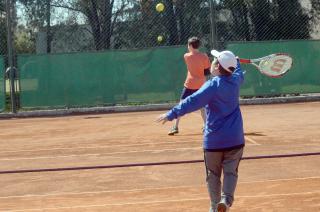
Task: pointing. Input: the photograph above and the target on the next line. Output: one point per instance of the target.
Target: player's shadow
(190, 134)
(254, 134)
(195, 134)
(93, 117)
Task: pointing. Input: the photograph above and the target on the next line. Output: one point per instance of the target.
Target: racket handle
(244, 60)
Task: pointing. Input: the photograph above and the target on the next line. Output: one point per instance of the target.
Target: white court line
(99, 154)
(112, 146)
(97, 147)
(102, 154)
(157, 202)
(251, 140)
(277, 195)
(146, 189)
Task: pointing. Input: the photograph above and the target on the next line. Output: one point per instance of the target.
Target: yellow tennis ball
(160, 38)
(160, 7)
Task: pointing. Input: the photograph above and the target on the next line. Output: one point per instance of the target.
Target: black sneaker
(174, 130)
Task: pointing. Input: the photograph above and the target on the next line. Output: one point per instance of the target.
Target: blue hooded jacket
(220, 97)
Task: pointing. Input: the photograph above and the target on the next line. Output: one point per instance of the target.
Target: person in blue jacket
(223, 139)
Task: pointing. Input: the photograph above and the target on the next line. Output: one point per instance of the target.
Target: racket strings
(276, 66)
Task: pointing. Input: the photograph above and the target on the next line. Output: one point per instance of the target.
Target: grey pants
(216, 162)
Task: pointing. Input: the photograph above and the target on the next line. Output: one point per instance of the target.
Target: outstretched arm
(192, 103)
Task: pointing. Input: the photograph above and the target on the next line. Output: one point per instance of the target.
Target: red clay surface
(280, 184)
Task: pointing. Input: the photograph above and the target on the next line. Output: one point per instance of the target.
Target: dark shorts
(187, 92)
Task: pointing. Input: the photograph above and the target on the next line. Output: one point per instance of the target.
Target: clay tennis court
(78, 153)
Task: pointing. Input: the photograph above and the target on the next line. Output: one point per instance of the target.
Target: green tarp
(102, 78)
(151, 75)
(2, 84)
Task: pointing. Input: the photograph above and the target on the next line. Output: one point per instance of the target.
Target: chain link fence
(54, 26)
(62, 26)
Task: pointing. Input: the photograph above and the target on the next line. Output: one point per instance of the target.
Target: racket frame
(253, 62)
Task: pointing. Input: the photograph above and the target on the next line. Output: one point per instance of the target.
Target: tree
(38, 14)
(292, 22)
(315, 14)
(23, 42)
(240, 27)
(101, 15)
(180, 20)
(265, 20)
(3, 28)
(171, 23)
(262, 20)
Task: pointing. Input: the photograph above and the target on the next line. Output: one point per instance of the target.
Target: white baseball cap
(226, 59)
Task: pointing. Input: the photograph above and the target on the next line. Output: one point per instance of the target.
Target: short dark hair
(194, 42)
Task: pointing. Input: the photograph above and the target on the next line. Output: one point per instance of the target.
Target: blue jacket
(220, 97)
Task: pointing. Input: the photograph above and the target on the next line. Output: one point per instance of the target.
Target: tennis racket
(273, 65)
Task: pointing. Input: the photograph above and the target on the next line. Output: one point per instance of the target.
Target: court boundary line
(109, 146)
(153, 188)
(164, 201)
(98, 154)
(149, 164)
(95, 147)
(102, 154)
(251, 140)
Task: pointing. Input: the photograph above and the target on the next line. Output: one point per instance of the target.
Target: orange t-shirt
(196, 64)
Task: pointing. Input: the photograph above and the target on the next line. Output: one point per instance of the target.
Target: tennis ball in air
(160, 7)
(160, 38)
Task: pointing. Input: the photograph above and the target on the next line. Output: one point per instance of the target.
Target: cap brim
(215, 53)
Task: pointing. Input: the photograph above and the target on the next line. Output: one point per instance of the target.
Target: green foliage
(35, 12)
(264, 20)
(23, 41)
(2, 6)
(128, 24)
(3, 29)
(315, 14)
(3, 37)
(292, 22)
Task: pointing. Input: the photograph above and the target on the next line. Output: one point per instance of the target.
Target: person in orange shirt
(198, 65)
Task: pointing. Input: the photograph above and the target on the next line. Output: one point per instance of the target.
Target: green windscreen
(303, 77)
(102, 78)
(2, 84)
(151, 75)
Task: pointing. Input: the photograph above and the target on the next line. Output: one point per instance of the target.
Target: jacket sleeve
(238, 73)
(193, 102)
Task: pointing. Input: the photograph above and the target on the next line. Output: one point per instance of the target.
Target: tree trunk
(106, 21)
(180, 11)
(93, 18)
(171, 24)
(48, 20)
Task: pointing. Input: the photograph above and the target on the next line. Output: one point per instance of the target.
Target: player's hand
(162, 118)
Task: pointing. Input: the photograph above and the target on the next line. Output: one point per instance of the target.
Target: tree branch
(116, 15)
(67, 7)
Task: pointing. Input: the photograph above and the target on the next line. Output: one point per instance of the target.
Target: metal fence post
(213, 33)
(10, 57)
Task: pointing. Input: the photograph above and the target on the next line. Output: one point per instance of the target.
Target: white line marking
(251, 140)
(147, 189)
(103, 154)
(97, 147)
(110, 146)
(99, 154)
(284, 179)
(112, 204)
(276, 195)
(157, 202)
